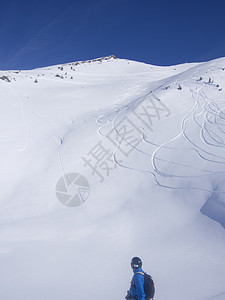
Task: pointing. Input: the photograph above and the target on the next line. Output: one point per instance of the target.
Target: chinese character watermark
(100, 161)
(126, 135)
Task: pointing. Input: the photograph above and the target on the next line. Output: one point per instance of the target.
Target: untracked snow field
(108, 159)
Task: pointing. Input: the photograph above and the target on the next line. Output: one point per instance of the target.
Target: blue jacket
(137, 289)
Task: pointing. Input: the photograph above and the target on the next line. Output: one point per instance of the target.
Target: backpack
(149, 286)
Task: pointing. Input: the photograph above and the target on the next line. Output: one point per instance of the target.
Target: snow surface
(157, 191)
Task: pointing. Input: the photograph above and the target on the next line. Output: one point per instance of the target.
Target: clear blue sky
(41, 33)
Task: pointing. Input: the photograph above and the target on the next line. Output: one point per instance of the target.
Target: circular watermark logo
(72, 189)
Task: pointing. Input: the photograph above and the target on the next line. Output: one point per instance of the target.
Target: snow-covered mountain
(108, 159)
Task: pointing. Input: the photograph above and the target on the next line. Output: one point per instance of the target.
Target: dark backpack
(149, 286)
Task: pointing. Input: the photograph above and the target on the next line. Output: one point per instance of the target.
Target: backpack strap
(142, 273)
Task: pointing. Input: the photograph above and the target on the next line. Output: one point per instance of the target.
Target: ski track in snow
(201, 108)
(18, 96)
(205, 133)
(52, 138)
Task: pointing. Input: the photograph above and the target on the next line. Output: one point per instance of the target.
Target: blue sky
(41, 33)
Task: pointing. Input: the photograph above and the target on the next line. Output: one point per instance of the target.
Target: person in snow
(136, 290)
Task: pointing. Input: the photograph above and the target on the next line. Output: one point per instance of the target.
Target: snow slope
(150, 142)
